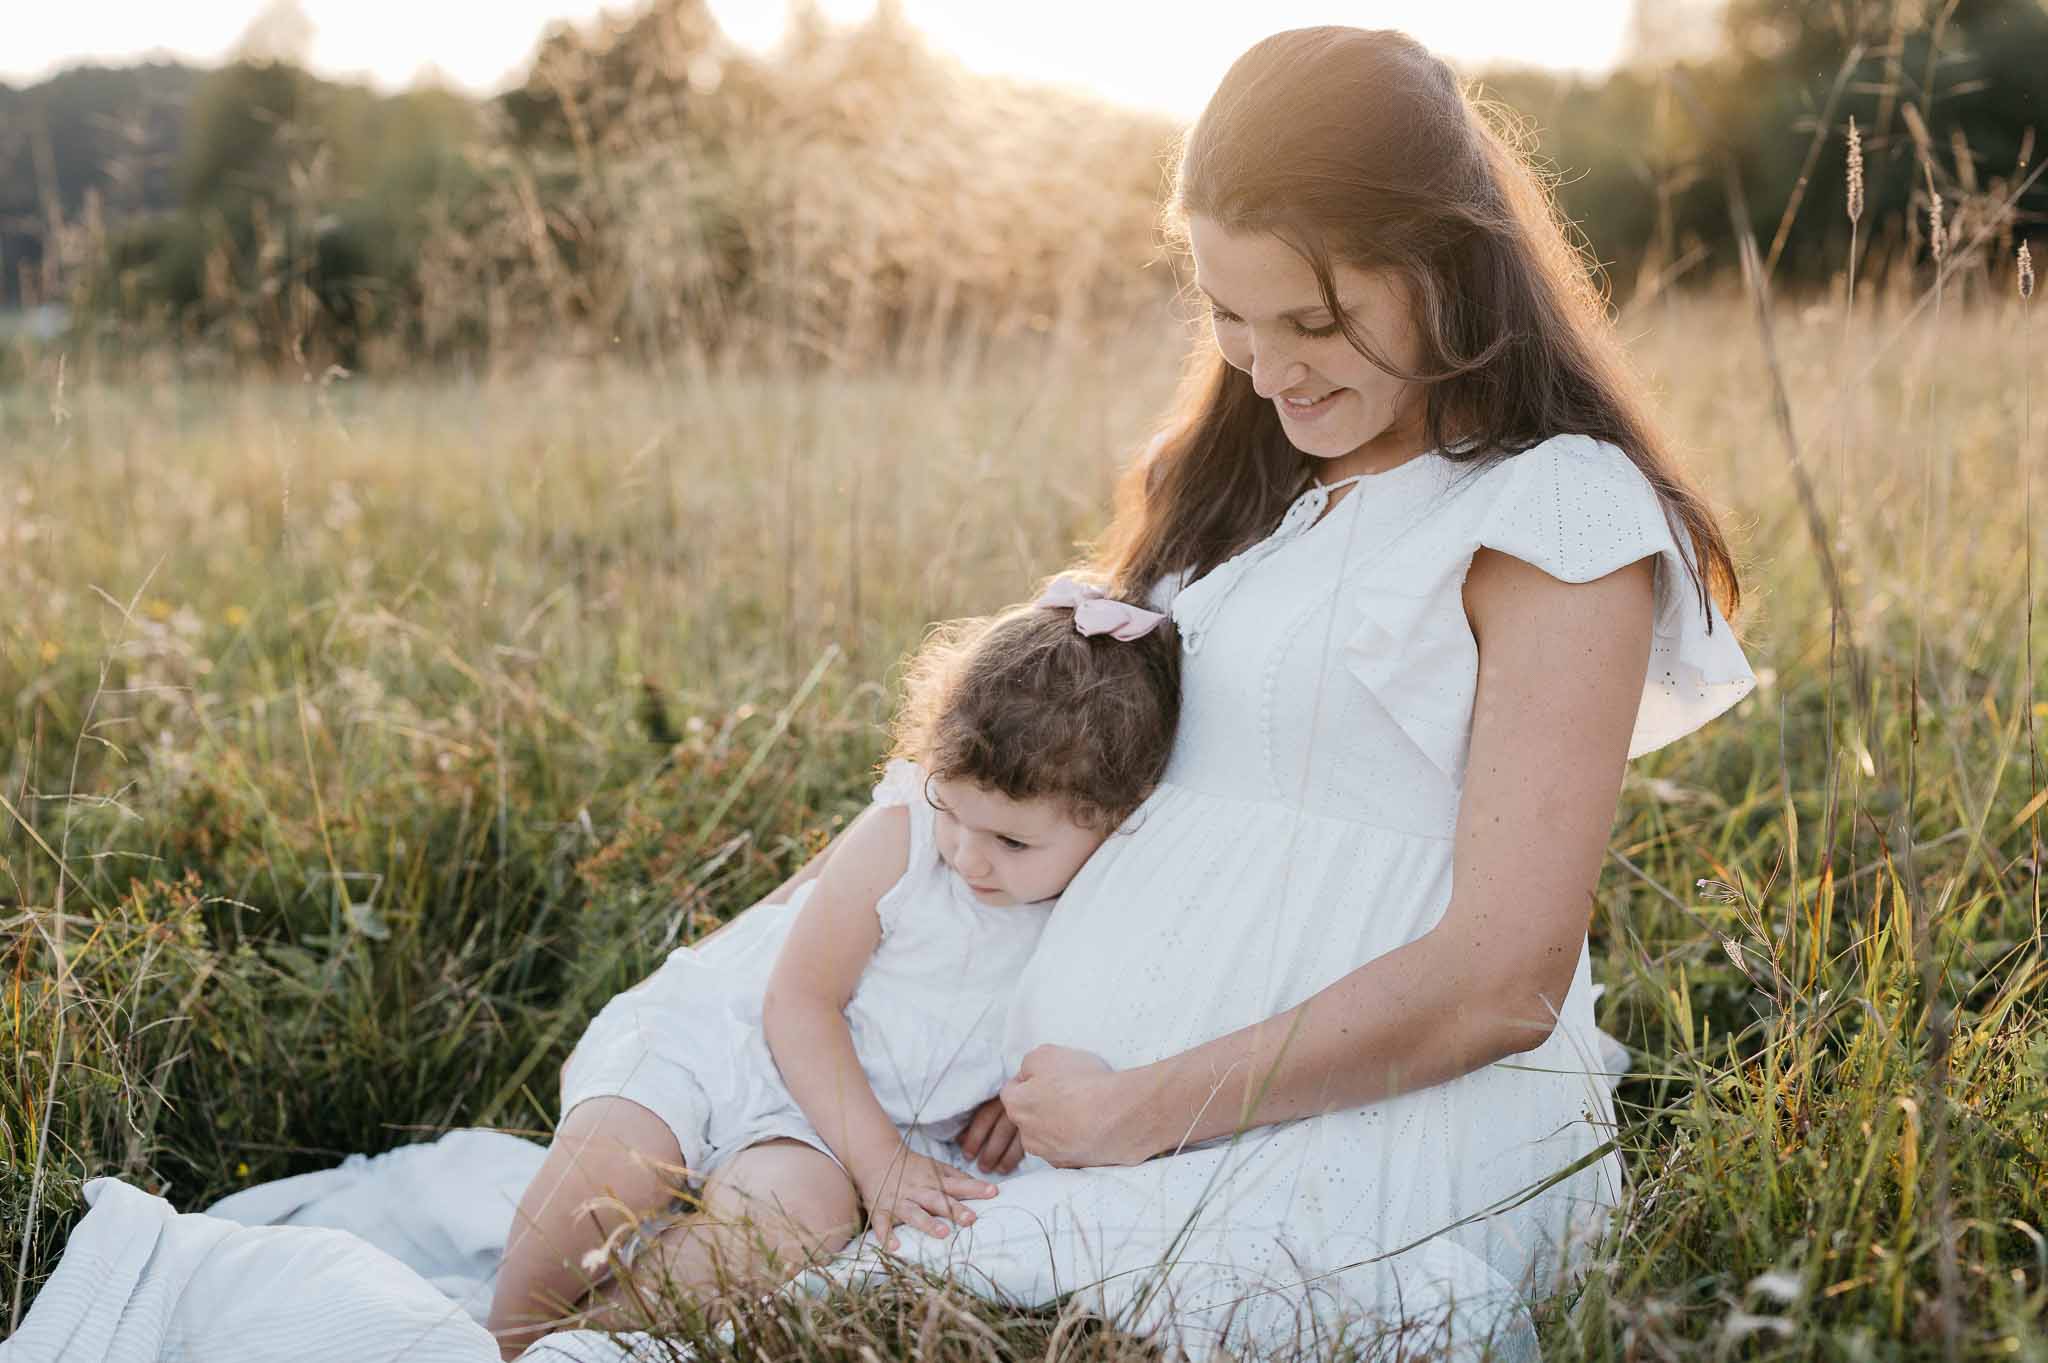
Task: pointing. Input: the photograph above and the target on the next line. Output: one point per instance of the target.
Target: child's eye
(1317, 332)
(1013, 844)
(1223, 315)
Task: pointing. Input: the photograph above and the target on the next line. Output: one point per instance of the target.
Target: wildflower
(235, 617)
(1855, 172)
(158, 609)
(1720, 891)
(49, 651)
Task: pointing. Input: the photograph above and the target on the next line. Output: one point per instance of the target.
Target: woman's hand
(907, 1189)
(1072, 1111)
(991, 1140)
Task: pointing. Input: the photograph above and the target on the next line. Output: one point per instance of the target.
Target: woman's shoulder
(1562, 470)
(1573, 505)
(1578, 508)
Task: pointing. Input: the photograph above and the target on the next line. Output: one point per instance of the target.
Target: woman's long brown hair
(1359, 146)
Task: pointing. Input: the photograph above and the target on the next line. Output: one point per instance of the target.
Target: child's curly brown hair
(1023, 704)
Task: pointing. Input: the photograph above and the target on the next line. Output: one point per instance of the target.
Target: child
(840, 1041)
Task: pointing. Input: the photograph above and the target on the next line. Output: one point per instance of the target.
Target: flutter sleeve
(902, 785)
(1578, 509)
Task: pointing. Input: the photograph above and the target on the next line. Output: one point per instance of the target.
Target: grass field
(366, 735)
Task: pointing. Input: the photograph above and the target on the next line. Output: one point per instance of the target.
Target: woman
(1313, 1038)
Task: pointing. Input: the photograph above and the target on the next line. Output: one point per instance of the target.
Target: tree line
(649, 187)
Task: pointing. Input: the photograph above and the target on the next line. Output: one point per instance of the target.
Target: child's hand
(915, 1190)
(991, 1139)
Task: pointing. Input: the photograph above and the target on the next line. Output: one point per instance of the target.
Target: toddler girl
(834, 1046)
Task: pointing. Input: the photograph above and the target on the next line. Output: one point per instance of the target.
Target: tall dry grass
(655, 193)
(366, 737)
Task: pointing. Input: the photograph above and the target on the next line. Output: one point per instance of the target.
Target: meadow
(366, 734)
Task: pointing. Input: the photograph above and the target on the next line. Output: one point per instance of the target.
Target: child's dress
(927, 1016)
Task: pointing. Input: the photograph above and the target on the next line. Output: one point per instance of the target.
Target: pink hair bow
(1095, 613)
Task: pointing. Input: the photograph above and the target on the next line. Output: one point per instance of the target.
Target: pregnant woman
(1306, 1051)
(1325, 996)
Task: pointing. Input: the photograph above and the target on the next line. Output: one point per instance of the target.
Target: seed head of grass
(1855, 171)
(1934, 225)
(2026, 272)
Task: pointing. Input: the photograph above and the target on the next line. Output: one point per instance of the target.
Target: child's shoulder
(873, 854)
(901, 797)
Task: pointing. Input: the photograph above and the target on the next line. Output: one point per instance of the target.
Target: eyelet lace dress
(1304, 828)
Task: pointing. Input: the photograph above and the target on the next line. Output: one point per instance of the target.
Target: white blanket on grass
(384, 1258)
(387, 1257)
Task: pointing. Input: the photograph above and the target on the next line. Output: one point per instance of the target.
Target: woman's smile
(1305, 410)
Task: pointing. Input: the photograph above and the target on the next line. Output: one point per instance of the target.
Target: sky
(1158, 54)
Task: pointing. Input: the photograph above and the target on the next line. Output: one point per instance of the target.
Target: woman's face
(1270, 321)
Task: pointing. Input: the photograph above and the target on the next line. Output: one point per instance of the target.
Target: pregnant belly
(1211, 914)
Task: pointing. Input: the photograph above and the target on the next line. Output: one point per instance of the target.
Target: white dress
(927, 1017)
(1305, 827)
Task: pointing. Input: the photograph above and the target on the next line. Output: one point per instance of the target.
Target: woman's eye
(1223, 318)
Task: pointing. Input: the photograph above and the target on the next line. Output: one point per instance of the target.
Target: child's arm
(804, 1016)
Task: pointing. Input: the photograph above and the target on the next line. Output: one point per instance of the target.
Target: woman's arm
(1561, 671)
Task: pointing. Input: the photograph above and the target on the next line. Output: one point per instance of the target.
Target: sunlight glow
(387, 42)
(1157, 54)
(1168, 56)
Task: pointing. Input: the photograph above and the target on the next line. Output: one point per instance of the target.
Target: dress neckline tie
(1302, 514)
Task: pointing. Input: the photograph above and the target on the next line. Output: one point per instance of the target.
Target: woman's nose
(1274, 371)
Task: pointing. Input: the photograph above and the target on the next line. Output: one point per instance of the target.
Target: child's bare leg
(610, 1150)
(769, 1211)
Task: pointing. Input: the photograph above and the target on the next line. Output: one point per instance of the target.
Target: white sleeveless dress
(1305, 827)
(927, 1017)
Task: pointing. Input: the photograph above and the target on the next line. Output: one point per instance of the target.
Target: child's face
(1009, 851)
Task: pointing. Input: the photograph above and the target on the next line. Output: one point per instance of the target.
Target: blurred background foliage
(653, 190)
